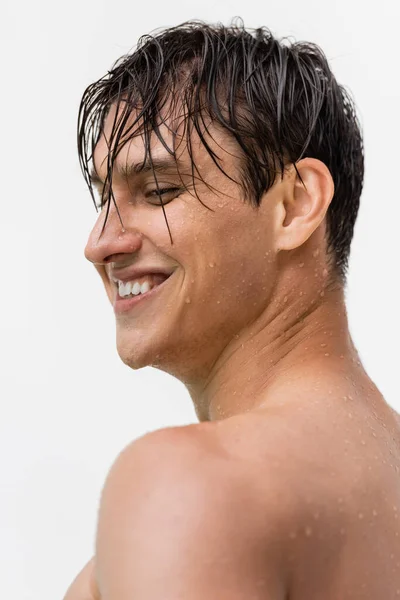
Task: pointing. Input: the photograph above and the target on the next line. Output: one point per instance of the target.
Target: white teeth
(136, 288)
(145, 287)
(128, 288)
(124, 289)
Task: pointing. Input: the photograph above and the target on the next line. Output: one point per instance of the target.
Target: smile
(135, 292)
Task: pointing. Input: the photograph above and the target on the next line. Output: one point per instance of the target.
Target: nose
(104, 243)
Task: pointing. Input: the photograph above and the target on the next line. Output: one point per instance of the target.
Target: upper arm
(174, 524)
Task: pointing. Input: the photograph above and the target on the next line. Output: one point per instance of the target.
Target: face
(222, 262)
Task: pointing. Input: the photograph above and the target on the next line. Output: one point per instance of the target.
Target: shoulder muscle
(176, 520)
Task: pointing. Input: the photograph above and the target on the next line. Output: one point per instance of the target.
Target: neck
(274, 356)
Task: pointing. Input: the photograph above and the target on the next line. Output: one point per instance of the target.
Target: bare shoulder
(177, 503)
(196, 457)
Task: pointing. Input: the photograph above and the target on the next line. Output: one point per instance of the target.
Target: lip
(124, 305)
(129, 274)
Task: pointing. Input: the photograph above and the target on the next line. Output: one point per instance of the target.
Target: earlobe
(308, 195)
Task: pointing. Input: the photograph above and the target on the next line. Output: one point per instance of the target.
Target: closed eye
(155, 195)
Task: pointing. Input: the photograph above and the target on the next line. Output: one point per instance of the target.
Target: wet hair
(277, 98)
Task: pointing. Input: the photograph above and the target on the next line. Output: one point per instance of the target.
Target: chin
(138, 350)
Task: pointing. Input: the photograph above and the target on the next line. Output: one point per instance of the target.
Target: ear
(303, 206)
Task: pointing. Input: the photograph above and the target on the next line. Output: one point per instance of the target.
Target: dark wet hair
(278, 99)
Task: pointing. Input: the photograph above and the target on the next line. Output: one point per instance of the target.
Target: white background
(68, 403)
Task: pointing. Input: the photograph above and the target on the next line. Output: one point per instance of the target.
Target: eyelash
(152, 193)
(161, 191)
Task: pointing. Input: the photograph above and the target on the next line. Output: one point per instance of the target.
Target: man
(229, 168)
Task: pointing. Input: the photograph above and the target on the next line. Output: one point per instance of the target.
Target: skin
(255, 325)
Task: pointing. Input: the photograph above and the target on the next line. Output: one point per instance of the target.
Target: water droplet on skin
(323, 345)
(285, 299)
(325, 273)
(322, 294)
(212, 265)
(187, 300)
(315, 253)
(301, 265)
(218, 301)
(327, 354)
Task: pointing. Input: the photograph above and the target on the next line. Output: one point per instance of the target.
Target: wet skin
(251, 323)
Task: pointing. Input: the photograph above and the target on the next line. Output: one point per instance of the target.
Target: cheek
(236, 270)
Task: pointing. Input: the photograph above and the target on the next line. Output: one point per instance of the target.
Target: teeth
(136, 288)
(128, 288)
(124, 289)
(145, 287)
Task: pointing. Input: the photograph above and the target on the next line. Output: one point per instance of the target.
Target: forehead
(176, 142)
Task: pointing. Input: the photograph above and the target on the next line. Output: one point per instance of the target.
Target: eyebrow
(128, 171)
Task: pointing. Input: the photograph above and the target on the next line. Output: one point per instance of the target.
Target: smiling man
(229, 168)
